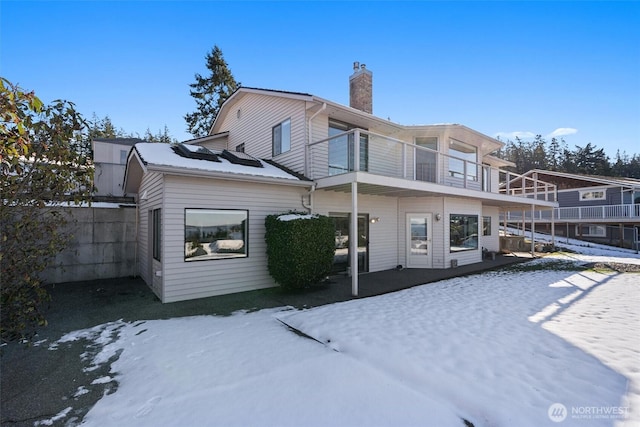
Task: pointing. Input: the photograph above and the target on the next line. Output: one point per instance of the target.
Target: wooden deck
(338, 288)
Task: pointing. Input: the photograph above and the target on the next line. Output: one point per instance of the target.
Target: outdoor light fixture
(375, 219)
(438, 217)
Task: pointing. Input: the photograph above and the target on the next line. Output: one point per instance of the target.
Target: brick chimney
(361, 88)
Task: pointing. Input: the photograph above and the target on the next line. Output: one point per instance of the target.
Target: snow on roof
(120, 141)
(158, 154)
(292, 217)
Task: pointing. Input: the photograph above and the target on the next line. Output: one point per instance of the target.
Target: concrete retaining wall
(103, 245)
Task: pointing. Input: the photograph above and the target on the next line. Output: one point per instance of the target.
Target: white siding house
(424, 196)
(110, 160)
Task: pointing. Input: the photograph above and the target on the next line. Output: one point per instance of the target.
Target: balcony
(604, 213)
(358, 150)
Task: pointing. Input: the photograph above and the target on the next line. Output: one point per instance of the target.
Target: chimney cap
(356, 66)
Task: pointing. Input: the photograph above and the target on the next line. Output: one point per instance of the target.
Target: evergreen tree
(568, 163)
(555, 154)
(210, 92)
(591, 161)
(538, 153)
(625, 166)
(104, 128)
(162, 136)
(618, 168)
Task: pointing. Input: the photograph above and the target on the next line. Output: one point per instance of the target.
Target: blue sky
(569, 69)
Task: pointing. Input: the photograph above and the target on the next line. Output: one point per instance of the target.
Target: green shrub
(300, 248)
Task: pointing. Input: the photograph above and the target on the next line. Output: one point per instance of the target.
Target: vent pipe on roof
(361, 88)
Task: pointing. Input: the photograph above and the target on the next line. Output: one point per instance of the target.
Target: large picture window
(215, 234)
(463, 232)
(281, 137)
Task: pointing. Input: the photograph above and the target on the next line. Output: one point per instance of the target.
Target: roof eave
(241, 91)
(133, 156)
(171, 170)
(599, 180)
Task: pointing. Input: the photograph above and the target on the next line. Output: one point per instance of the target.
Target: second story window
(281, 137)
(342, 149)
(588, 195)
(426, 161)
(463, 158)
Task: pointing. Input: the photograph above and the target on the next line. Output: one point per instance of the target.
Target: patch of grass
(608, 267)
(554, 265)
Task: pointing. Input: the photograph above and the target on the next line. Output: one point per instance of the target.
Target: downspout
(135, 246)
(310, 136)
(309, 207)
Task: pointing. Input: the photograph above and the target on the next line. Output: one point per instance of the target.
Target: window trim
(582, 193)
(245, 232)
(276, 142)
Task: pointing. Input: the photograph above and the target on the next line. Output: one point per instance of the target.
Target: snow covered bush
(300, 248)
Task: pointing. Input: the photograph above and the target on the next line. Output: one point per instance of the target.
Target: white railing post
(464, 172)
(353, 239)
(533, 230)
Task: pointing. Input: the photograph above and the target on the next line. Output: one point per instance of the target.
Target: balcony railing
(582, 213)
(358, 150)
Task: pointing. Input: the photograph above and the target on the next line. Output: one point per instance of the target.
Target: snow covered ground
(542, 344)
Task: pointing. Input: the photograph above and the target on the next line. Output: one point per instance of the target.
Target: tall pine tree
(210, 92)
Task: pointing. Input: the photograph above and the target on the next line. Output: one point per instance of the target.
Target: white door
(419, 248)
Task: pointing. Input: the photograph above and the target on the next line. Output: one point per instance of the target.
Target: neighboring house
(110, 160)
(424, 196)
(600, 209)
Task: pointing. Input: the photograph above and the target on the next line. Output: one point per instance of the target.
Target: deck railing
(364, 151)
(582, 213)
